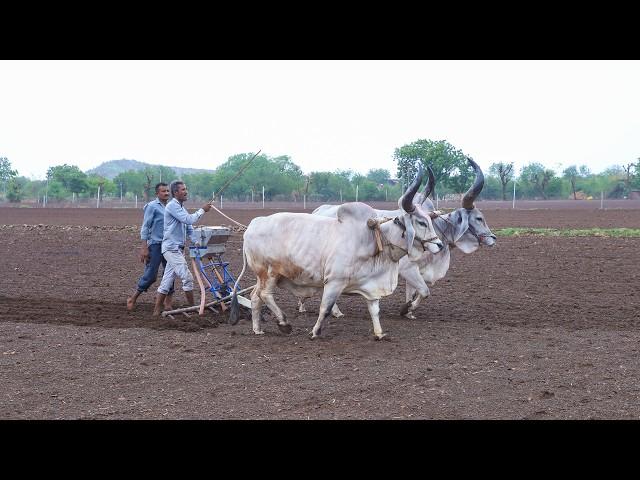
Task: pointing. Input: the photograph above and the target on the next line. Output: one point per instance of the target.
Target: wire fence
(304, 205)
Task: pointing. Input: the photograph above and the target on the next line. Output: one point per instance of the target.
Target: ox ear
(461, 223)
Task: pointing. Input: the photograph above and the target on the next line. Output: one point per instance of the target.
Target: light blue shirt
(152, 228)
(177, 225)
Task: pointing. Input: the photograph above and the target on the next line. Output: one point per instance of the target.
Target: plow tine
(195, 308)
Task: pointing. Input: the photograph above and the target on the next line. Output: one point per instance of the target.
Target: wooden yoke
(374, 224)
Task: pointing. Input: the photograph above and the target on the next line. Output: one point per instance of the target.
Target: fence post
(357, 193)
(601, 200)
(263, 196)
(304, 202)
(513, 204)
(220, 201)
(136, 200)
(98, 199)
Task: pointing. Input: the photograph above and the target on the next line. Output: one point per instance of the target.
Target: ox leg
(335, 311)
(329, 297)
(416, 290)
(374, 311)
(267, 296)
(418, 297)
(256, 306)
(301, 308)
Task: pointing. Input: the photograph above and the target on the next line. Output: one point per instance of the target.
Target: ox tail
(234, 313)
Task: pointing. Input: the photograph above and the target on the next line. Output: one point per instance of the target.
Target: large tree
(628, 176)
(504, 171)
(15, 192)
(6, 172)
(379, 175)
(538, 176)
(449, 164)
(70, 176)
(571, 173)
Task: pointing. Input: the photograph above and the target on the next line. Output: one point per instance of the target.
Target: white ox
(464, 228)
(306, 253)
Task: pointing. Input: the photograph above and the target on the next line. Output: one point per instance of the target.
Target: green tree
(6, 172)
(571, 173)
(635, 179)
(629, 168)
(149, 176)
(379, 176)
(449, 165)
(71, 177)
(538, 176)
(107, 187)
(332, 186)
(504, 172)
(279, 176)
(15, 189)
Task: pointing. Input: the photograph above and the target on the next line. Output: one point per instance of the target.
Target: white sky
(324, 114)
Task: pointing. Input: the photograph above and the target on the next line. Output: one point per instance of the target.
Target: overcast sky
(325, 115)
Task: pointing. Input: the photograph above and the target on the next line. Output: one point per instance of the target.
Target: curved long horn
(428, 188)
(407, 198)
(476, 188)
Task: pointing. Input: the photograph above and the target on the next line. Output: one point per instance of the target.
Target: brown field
(535, 328)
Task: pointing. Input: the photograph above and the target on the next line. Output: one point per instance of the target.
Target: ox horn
(428, 188)
(407, 198)
(476, 188)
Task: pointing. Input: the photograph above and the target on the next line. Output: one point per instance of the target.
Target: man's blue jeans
(151, 268)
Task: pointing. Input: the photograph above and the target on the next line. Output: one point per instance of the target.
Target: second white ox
(464, 228)
(306, 253)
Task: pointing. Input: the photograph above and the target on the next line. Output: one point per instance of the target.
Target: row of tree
(282, 179)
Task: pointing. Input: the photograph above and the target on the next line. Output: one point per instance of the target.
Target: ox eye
(459, 219)
(422, 223)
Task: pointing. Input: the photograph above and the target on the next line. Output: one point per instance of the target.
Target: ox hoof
(380, 336)
(338, 315)
(286, 328)
(410, 315)
(405, 308)
(259, 332)
(313, 335)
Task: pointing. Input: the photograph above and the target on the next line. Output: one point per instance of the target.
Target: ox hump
(355, 211)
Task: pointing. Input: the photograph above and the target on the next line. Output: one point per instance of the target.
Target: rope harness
(237, 223)
(479, 236)
(375, 226)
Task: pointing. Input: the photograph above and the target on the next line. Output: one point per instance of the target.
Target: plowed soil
(535, 328)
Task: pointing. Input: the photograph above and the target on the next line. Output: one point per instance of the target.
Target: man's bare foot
(168, 306)
(130, 304)
(156, 313)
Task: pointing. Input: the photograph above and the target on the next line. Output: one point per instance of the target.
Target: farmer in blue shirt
(177, 225)
(150, 251)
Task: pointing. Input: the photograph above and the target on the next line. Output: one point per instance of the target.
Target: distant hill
(112, 168)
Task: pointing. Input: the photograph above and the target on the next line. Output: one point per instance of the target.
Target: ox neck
(391, 238)
(445, 230)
